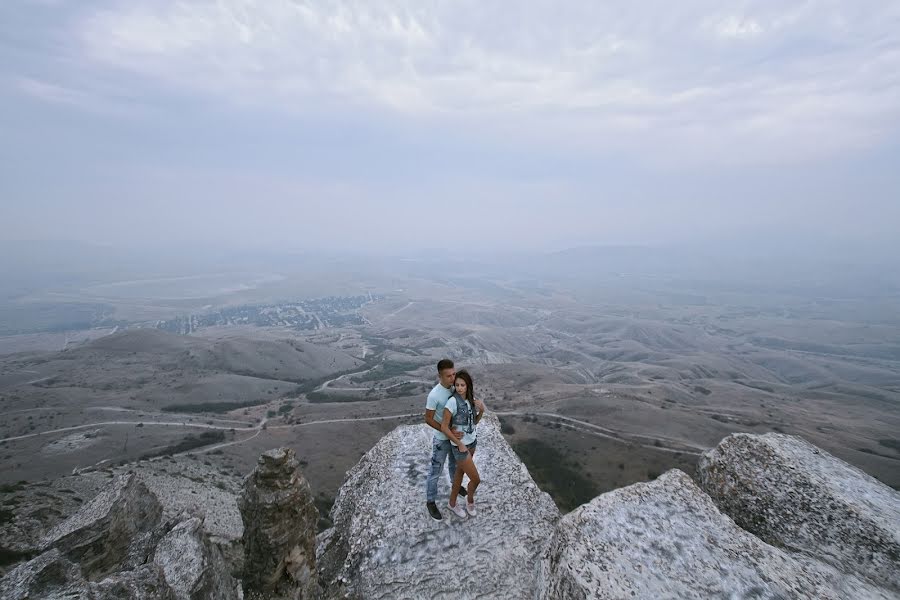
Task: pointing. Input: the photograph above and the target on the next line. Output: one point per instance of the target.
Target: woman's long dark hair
(470, 387)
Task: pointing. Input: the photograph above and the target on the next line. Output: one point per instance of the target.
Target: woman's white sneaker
(470, 508)
(457, 510)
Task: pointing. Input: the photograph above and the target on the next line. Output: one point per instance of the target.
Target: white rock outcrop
(385, 546)
(796, 496)
(192, 566)
(112, 531)
(666, 539)
(50, 575)
(116, 547)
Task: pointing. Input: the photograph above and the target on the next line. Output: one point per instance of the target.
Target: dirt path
(666, 445)
(292, 426)
(330, 381)
(102, 423)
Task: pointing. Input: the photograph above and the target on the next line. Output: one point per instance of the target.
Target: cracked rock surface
(384, 545)
(117, 546)
(666, 539)
(796, 496)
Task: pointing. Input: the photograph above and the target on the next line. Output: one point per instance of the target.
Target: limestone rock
(384, 545)
(173, 561)
(279, 529)
(50, 576)
(115, 525)
(184, 485)
(793, 495)
(180, 483)
(666, 539)
(192, 566)
(28, 512)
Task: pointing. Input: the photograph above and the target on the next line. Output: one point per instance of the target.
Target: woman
(462, 412)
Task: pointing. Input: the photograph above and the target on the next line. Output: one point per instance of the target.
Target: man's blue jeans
(440, 451)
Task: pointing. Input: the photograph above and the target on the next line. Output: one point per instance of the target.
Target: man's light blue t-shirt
(436, 401)
(467, 437)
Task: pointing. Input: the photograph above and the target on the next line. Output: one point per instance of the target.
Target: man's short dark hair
(444, 363)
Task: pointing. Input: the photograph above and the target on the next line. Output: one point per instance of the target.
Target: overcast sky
(408, 124)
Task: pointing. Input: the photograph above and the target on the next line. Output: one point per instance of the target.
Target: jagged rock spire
(279, 529)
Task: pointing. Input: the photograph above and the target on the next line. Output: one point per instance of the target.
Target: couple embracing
(453, 412)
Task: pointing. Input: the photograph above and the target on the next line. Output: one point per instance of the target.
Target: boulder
(666, 539)
(173, 561)
(116, 525)
(192, 567)
(384, 545)
(50, 576)
(279, 537)
(796, 496)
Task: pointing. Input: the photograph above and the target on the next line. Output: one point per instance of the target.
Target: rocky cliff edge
(773, 517)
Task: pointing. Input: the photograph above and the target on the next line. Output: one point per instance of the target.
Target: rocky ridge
(384, 545)
(773, 517)
(663, 539)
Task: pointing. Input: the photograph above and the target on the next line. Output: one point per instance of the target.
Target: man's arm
(429, 419)
(455, 439)
(479, 408)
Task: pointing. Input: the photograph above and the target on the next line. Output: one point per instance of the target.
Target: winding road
(582, 426)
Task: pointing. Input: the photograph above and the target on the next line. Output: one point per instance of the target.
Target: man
(440, 444)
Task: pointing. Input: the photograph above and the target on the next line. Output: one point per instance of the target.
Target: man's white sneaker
(470, 508)
(457, 510)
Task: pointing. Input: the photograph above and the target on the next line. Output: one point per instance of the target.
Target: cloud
(104, 103)
(737, 27)
(669, 82)
(54, 93)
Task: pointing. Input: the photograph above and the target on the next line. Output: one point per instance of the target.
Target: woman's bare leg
(467, 467)
(457, 483)
(469, 499)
